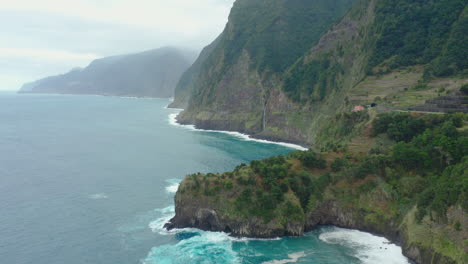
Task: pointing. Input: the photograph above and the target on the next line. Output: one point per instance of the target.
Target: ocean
(91, 179)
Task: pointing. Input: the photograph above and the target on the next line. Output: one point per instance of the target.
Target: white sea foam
(166, 214)
(98, 196)
(173, 185)
(139, 97)
(200, 247)
(166, 210)
(368, 248)
(206, 247)
(293, 258)
(173, 188)
(173, 121)
(157, 225)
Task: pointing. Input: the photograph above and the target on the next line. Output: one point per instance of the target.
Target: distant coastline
(86, 94)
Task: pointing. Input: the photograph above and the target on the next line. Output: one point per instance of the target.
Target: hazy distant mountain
(153, 73)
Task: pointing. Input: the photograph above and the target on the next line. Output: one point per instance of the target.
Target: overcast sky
(49, 37)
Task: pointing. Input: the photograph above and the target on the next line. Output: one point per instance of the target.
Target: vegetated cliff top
(153, 73)
(408, 183)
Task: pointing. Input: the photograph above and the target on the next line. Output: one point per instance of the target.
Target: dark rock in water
(186, 235)
(169, 226)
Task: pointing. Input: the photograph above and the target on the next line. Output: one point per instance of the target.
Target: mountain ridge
(292, 105)
(152, 73)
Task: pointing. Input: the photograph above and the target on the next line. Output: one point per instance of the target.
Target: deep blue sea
(91, 179)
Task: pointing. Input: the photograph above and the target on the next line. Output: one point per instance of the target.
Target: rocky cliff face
(286, 77)
(185, 85)
(201, 206)
(148, 74)
(238, 86)
(206, 216)
(252, 100)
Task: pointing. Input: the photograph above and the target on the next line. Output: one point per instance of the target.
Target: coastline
(173, 121)
(373, 247)
(90, 94)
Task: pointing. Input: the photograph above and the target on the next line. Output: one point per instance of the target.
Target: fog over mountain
(44, 38)
(153, 73)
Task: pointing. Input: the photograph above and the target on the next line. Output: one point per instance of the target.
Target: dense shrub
(409, 156)
(446, 190)
(464, 88)
(398, 126)
(312, 160)
(276, 33)
(428, 167)
(421, 32)
(339, 164)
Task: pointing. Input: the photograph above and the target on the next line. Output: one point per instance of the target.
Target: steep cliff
(413, 192)
(261, 40)
(186, 84)
(280, 73)
(152, 73)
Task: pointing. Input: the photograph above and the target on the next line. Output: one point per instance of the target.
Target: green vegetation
(464, 89)
(428, 151)
(401, 171)
(429, 154)
(422, 32)
(432, 147)
(312, 80)
(422, 173)
(273, 34)
(337, 133)
(404, 33)
(276, 33)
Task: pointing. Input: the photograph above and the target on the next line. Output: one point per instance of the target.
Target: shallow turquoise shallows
(91, 179)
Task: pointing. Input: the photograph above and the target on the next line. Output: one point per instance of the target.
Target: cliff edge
(412, 192)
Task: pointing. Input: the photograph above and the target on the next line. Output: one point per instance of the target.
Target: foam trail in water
(98, 196)
(173, 121)
(293, 258)
(208, 247)
(368, 248)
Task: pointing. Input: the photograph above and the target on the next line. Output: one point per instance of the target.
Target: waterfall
(264, 117)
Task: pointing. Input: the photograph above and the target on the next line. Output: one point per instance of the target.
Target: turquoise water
(90, 179)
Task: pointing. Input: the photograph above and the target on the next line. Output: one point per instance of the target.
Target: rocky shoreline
(195, 213)
(227, 125)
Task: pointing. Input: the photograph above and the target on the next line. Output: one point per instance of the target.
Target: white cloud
(180, 16)
(54, 55)
(41, 38)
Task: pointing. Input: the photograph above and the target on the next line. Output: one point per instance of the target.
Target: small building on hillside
(358, 108)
